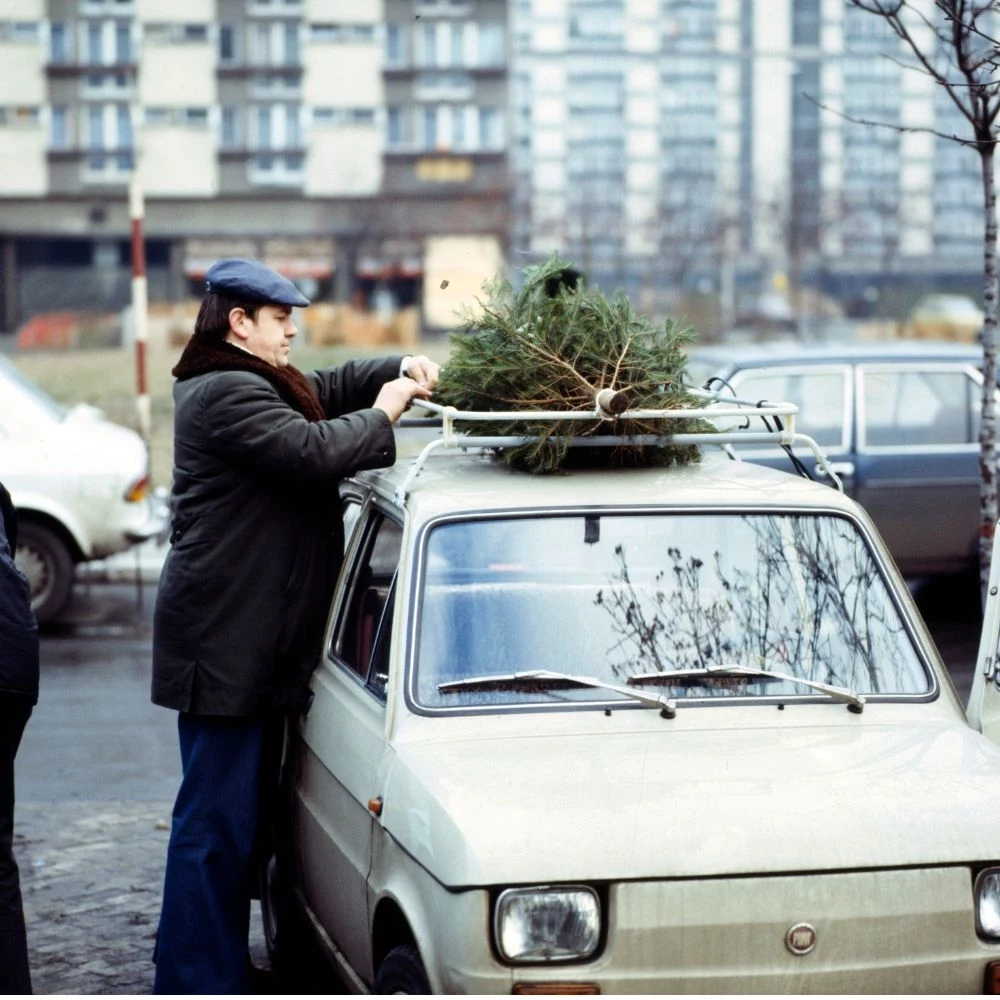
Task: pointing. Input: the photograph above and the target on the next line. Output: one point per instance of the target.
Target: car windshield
(31, 390)
(614, 595)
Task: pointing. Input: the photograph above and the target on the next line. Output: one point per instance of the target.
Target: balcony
(235, 69)
(69, 68)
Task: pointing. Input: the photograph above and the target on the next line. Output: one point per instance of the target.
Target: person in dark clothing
(256, 544)
(18, 695)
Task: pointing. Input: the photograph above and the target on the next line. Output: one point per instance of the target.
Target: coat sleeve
(246, 422)
(355, 384)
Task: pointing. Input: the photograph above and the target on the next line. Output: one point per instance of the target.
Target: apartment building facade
(707, 146)
(350, 144)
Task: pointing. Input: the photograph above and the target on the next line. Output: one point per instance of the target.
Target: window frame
(371, 516)
(922, 367)
(849, 377)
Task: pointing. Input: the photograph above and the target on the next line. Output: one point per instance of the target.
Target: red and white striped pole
(140, 303)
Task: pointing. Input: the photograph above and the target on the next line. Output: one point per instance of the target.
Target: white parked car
(79, 482)
(651, 730)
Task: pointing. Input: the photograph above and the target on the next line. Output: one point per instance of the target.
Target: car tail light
(138, 491)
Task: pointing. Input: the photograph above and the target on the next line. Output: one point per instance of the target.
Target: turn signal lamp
(138, 490)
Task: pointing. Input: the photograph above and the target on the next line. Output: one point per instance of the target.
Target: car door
(343, 740)
(824, 394)
(917, 460)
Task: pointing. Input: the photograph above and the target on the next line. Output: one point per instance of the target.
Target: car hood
(668, 804)
(85, 441)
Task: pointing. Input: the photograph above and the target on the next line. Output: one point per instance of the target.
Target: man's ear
(238, 321)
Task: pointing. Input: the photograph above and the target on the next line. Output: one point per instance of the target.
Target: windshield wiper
(547, 680)
(855, 702)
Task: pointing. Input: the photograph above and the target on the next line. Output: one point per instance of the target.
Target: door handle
(842, 469)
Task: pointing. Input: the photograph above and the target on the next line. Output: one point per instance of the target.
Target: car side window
(367, 613)
(820, 396)
(912, 408)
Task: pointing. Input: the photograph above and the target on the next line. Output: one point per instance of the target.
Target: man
(256, 543)
(18, 695)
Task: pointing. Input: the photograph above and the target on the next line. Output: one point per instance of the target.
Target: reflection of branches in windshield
(808, 598)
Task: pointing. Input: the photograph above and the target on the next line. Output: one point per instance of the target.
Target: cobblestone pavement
(91, 876)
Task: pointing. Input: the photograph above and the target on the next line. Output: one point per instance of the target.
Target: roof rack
(783, 434)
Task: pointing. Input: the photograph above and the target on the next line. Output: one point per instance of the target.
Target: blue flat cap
(252, 281)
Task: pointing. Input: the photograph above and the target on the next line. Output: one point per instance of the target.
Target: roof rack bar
(725, 406)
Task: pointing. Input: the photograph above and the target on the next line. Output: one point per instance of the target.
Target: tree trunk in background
(987, 426)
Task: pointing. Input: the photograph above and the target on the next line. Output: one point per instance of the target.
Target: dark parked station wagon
(899, 422)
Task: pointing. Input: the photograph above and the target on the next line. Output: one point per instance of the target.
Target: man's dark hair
(213, 316)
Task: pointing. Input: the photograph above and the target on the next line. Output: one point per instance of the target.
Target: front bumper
(889, 931)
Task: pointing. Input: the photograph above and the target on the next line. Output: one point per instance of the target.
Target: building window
(94, 46)
(264, 128)
(227, 43)
(95, 128)
(489, 128)
(293, 55)
(457, 44)
(394, 45)
(195, 116)
(276, 43)
(293, 127)
(458, 139)
(123, 43)
(229, 131)
(158, 116)
(281, 170)
(428, 39)
(58, 42)
(430, 122)
(262, 44)
(393, 127)
(194, 33)
(60, 133)
(491, 44)
(23, 31)
(362, 116)
(123, 121)
(277, 127)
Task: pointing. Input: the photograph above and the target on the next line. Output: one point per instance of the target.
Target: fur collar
(200, 357)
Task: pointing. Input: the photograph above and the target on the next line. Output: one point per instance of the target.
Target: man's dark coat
(18, 631)
(257, 534)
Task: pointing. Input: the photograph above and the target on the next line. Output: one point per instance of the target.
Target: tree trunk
(987, 426)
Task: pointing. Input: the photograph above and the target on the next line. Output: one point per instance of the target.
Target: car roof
(465, 483)
(785, 353)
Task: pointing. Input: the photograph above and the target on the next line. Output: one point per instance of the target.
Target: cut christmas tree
(557, 345)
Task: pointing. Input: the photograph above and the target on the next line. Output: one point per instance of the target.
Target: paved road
(98, 770)
(96, 776)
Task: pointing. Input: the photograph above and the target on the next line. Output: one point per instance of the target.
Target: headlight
(987, 893)
(547, 924)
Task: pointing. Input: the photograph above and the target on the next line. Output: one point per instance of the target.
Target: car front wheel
(402, 971)
(46, 561)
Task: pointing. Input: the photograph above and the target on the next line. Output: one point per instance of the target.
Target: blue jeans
(201, 944)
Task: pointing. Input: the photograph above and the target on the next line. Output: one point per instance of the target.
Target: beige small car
(645, 731)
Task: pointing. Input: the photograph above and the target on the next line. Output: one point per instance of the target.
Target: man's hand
(423, 371)
(395, 396)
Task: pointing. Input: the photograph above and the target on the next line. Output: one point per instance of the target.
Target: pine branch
(552, 346)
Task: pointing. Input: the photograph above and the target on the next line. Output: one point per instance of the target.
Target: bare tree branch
(893, 126)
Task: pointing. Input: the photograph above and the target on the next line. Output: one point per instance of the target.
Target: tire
(295, 958)
(402, 971)
(46, 561)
